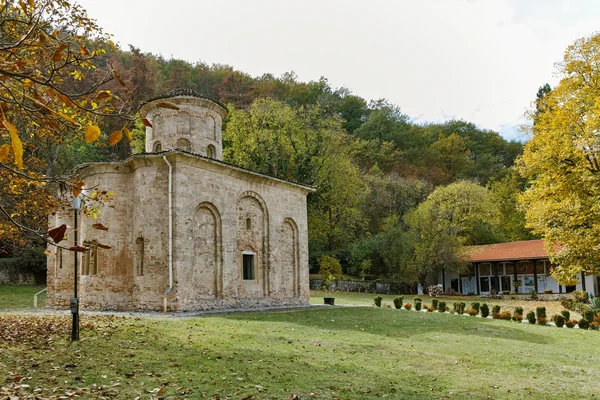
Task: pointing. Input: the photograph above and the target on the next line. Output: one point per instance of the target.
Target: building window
(139, 256)
(248, 223)
(157, 147)
(248, 265)
(90, 259)
(211, 151)
(59, 258)
(184, 144)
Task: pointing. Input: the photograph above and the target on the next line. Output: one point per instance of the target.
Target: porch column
(559, 288)
(515, 274)
(582, 281)
(477, 278)
(535, 282)
(444, 279)
(459, 284)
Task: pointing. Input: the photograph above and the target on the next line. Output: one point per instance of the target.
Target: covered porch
(521, 267)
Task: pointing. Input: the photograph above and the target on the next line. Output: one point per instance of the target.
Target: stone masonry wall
(210, 210)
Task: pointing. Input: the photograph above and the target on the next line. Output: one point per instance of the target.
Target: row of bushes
(589, 321)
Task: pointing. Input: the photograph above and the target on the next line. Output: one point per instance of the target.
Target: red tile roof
(513, 251)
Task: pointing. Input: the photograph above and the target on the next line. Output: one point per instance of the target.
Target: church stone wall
(212, 202)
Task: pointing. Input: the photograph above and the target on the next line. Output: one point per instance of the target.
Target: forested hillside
(373, 168)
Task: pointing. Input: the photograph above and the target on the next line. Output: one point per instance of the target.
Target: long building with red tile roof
(520, 267)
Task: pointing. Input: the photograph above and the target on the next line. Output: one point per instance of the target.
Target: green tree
(562, 163)
(462, 213)
(303, 145)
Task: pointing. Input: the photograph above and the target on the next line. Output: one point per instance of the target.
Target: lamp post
(75, 300)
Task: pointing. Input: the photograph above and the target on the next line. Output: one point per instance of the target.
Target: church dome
(185, 120)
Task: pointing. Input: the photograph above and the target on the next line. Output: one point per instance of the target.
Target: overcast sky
(479, 60)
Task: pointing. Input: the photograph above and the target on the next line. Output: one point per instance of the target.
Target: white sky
(479, 60)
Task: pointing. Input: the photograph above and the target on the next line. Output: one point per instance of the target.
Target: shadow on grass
(402, 324)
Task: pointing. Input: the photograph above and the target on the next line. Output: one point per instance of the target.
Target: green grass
(15, 297)
(328, 353)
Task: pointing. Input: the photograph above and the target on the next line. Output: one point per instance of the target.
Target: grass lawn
(14, 297)
(323, 353)
(366, 299)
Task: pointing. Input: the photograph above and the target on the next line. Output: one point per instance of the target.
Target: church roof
(198, 156)
(512, 251)
(184, 93)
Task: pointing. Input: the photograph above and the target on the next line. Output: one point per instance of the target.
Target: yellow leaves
(77, 75)
(92, 133)
(115, 137)
(4, 152)
(105, 94)
(16, 143)
(118, 76)
(128, 134)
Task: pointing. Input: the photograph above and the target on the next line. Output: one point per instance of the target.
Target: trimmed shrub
(566, 314)
(461, 307)
(418, 300)
(442, 306)
(519, 310)
(434, 303)
(517, 317)
(378, 300)
(583, 323)
(475, 306)
(542, 321)
(531, 317)
(589, 315)
(505, 315)
(547, 291)
(505, 292)
(485, 310)
(496, 309)
(540, 312)
(570, 323)
(472, 312)
(559, 320)
(418, 305)
(407, 306)
(398, 302)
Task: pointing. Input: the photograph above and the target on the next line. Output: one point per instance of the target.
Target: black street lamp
(75, 300)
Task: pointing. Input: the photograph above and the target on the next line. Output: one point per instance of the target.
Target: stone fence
(364, 286)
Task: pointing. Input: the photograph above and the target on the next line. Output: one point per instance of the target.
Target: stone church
(187, 231)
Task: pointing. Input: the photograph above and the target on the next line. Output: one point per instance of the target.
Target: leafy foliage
(562, 162)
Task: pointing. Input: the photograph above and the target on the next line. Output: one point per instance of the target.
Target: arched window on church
(157, 147)
(211, 151)
(184, 144)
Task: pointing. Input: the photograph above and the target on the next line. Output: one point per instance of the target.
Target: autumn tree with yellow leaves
(562, 162)
(52, 91)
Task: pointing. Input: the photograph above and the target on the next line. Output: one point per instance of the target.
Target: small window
(139, 256)
(248, 266)
(157, 147)
(59, 258)
(184, 144)
(90, 259)
(211, 151)
(248, 223)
